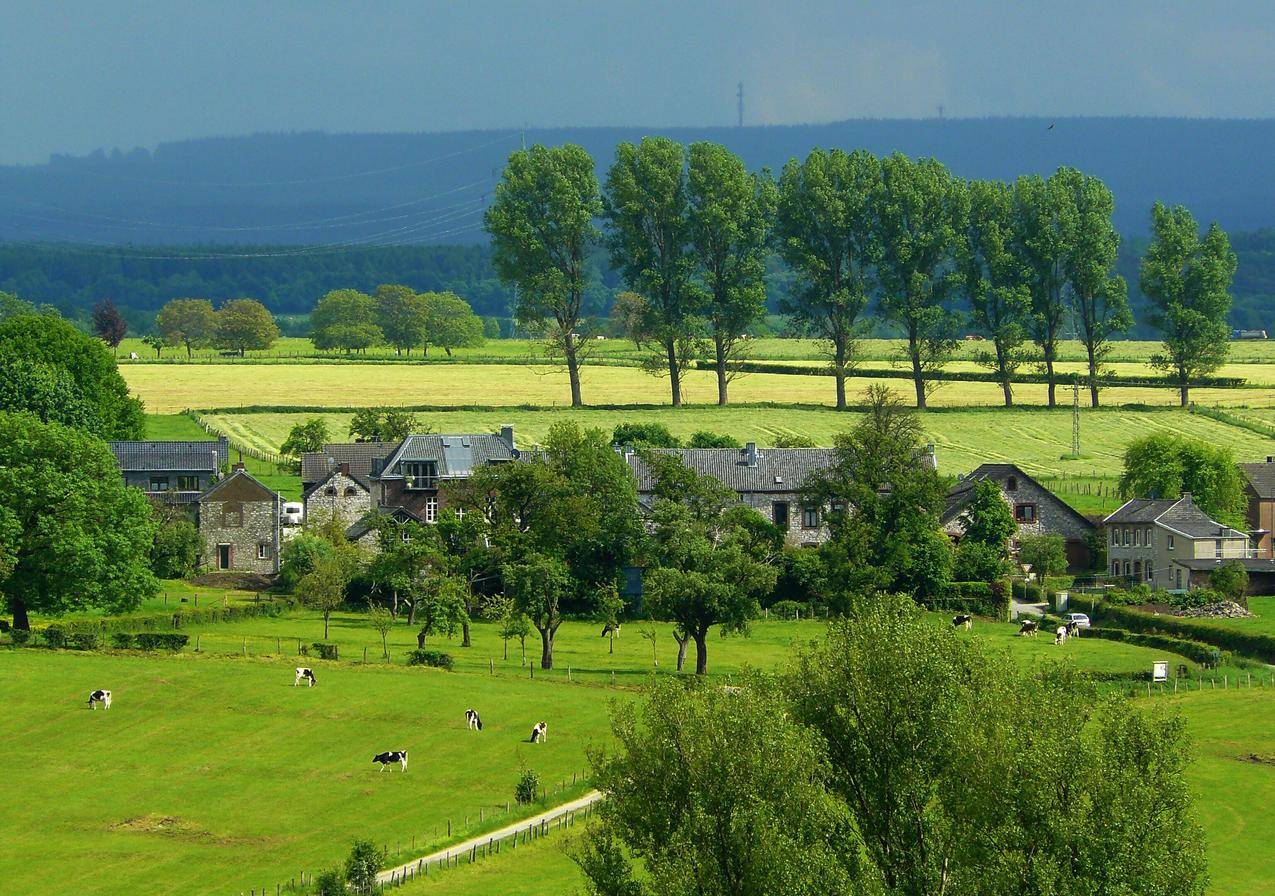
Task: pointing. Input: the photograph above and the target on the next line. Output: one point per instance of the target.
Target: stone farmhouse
(172, 472)
(239, 524)
(1037, 511)
(1259, 488)
(1173, 545)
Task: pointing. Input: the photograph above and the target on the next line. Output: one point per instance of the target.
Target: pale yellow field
(170, 388)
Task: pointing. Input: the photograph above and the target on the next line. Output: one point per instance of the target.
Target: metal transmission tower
(739, 97)
(1075, 416)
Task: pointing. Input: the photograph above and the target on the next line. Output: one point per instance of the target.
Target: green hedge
(1205, 654)
(436, 658)
(174, 620)
(1250, 644)
(975, 376)
(160, 640)
(979, 598)
(326, 651)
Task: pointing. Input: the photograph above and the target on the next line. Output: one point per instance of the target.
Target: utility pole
(739, 96)
(1075, 416)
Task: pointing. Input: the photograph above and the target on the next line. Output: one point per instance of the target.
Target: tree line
(690, 229)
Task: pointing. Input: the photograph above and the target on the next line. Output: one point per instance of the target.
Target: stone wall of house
(1052, 518)
(798, 534)
(342, 495)
(260, 527)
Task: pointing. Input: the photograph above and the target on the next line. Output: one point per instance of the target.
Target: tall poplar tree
(542, 227)
(647, 204)
(1188, 281)
(1044, 233)
(920, 215)
(824, 232)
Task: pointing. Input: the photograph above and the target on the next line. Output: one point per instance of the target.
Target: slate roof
(1261, 477)
(776, 470)
(163, 456)
(368, 521)
(361, 456)
(1251, 564)
(959, 495)
(456, 455)
(1181, 515)
(240, 486)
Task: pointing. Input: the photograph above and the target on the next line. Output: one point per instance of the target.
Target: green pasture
(213, 775)
(541, 868)
(171, 388)
(766, 349)
(1035, 439)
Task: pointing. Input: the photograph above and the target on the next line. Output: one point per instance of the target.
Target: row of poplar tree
(690, 229)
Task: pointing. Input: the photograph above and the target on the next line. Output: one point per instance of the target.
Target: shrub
(361, 866)
(1204, 654)
(1245, 643)
(980, 598)
(122, 640)
(1195, 597)
(326, 651)
(54, 636)
(436, 658)
(160, 640)
(1230, 580)
(528, 787)
(83, 641)
(176, 549)
(705, 439)
(978, 562)
(649, 435)
(330, 883)
(20, 636)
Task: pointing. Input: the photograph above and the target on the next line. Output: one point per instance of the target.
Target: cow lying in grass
(1028, 628)
(964, 620)
(306, 675)
(538, 732)
(102, 697)
(390, 757)
(472, 720)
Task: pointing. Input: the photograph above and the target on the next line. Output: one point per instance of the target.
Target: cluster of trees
(1166, 465)
(690, 230)
(894, 758)
(238, 325)
(397, 316)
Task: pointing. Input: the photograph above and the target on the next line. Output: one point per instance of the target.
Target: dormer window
(421, 474)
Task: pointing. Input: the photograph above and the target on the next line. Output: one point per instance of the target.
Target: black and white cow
(389, 757)
(1073, 629)
(306, 675)
(965, 620)
(472, 720)
(1060, 637)
(538, 733)
(611, 629)
(102, 697)
(1028, 628)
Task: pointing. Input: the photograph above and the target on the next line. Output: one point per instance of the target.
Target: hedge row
(1205, 654)
(978, 598)
(58, 638)
(975, 376)
(1249, 644)
(177, 618)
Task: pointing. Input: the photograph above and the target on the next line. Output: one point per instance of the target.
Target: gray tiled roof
(1251, 564)
(1180, 515)
(456, 455)
(1262, 477)
(369, 521)
(315, 466)
(958, 496)
(1140, 510)
(777, 469)
(160, 456)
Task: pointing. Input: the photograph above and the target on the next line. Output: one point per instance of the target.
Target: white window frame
(431, 510)
(263, 551)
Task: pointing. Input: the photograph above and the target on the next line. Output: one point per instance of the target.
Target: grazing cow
(1061, 636)
(964, 620)
(389, 757)
(132, 356)
(471, 719)
(609, 629)
(102, 697)
(539, 732)
(306, 675)
(1028, 628)
(1073, 629)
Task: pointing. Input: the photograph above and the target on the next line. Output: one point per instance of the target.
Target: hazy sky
(75, 76)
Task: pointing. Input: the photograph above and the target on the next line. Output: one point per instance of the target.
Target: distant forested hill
(384, 189)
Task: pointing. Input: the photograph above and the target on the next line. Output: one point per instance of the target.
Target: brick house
(1037, 511)
(768, 480)
(1172, 544)
(172, 472)
(239, 524)
(1259, 489)
(404, 479)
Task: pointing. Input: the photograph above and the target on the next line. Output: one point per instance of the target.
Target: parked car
(1081, 619)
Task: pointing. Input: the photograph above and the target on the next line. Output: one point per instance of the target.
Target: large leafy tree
(542, 228)
(883, 498)
(539, 585)
(947, 757)
(718, 793)
(244, 325)
(1188, 281)
(712, 559)
(61, 375)
(1099, 297)
(305, 437)
(450, 323)
(383, 424)
(730, 218)
(995, 281)
(824, 230)
(108, 324)
(72, 535)
(345, 319)
(920, 214)
(403, 316)
(1044, 238)
(648, 207)
(1164, 465)
(470, 559)
(188, 322)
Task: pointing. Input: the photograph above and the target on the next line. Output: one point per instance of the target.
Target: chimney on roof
(749, 454)
(237, 466)
(507, 436)
(343, 468)
(1186, 496)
